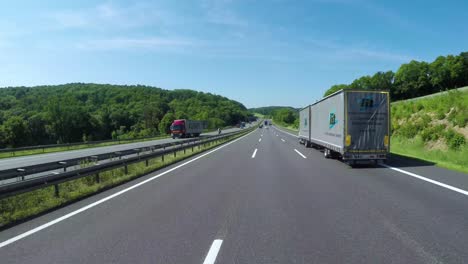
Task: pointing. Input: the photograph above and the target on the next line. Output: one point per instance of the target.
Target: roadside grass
(289, 128)
(433, 128)
(451, 159)
(20, 153)
(23, 206)
(260, 116)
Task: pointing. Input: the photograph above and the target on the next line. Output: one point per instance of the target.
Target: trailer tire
(326, 153)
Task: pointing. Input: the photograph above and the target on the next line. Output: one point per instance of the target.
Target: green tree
(15, 132)
(335, 88)
(382, 81)
(166, 122)
(37, 125)
(412, 80)
(447, 72)
(464, 57)
(363, 83)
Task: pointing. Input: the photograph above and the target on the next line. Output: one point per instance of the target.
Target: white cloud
(107, 16)
(380, 55)
(222, 12)
(151, 43)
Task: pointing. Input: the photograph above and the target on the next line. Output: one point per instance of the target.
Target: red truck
(182, 128)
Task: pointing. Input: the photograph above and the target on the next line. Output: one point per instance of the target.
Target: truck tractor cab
(178, 129)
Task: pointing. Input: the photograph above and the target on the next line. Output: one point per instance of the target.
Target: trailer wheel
(326, 153)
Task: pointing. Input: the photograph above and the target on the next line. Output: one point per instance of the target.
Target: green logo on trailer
(332, 120)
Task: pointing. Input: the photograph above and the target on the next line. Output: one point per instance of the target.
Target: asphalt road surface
(18, 162)
(261, 199)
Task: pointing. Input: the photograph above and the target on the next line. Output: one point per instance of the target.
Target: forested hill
(83, 112)
(269, 110)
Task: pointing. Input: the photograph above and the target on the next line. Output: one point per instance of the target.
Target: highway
(263, 198)
(17, 162)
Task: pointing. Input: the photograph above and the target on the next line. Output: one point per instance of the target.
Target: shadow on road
(393, 160)
(396, 160)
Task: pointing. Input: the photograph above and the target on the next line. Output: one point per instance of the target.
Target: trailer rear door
(367, 127)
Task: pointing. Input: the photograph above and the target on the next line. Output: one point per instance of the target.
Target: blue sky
(257, 52)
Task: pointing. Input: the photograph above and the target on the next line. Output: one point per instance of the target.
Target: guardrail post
(175, 151)
(23, 171)
(95, 159)
(138, 152)
(98, 179)
(64, 164)
(57, 193)
(147, 162)
(162, 157)
(126, 169)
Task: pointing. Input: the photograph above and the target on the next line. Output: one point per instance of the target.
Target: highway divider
(50, 148)
(30, 197)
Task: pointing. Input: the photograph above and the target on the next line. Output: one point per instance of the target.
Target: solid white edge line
(254, 153)
(450, 187)
(213, 252)
(82, 209)
(280, 130)
(283, 140)
(302, 155)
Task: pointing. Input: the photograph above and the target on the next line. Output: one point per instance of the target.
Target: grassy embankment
(19, 207)
(433, 128)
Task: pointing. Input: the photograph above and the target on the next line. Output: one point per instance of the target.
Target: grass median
(24, 206)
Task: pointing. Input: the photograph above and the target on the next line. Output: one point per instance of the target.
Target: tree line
(84, 112)
(416, 78)
(283, 115)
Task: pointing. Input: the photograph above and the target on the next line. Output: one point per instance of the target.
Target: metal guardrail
(27, 185)
(43, 167)
(44, 147)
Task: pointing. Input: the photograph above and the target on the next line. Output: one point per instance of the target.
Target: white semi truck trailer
(349, 124)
